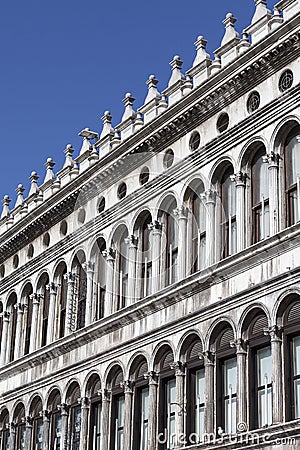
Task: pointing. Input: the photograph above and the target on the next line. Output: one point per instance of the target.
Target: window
(62, 302)
(194, 141)
(228, 214)
(80, 293)
(197, 228)
(4, 429)
(195, 393)
(55, 421)
(75, 418)
(20, 427)
(12, 302)
(141, 408)
(292, 176)
(168, 158)
(122, 269)
(291, 340)
(253, 102)
(144, 247)
(45, 314)
(63, 228)
(101, 205)
(122, 190)
(260, 373)
(222, 122)
(167, 402)
(260, 197)
(144, 175)
(118, 410)
(286, 80)
(37, 426)
(170, 243)
(81, 215)
(226, 382)
(100, 278)
(29, 302)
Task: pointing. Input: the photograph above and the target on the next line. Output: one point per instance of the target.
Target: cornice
(203, 102)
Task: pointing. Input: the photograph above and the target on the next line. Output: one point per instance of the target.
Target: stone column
(12, 436)
(85, 408)
(182, 214)
(20, 312)
(210, 201)
(240, 183)
(273, 160)
(152, 422)
(46, 429)
(127, 414)
(105, 420)
(156, 233)
(209, 391)
(52, 288)
(277, 389)
(70, 318)
(241, 355)
(132, 243)
(180, 405)
(28, 431)
(110, 256)
(64, 411)
(4, 339)
(33, 345)
(89, 268)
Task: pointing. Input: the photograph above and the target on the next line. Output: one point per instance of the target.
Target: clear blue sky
(64, 62)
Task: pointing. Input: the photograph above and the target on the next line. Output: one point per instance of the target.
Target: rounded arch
(73, 392)
(165, 202)
(281, 131)
(73, 382)
(78, 256)
(161, 348)
(18, 411)
(196, 179)
(140, 217)
(9, 297)
(139, 362)
(248, 316)
(4, 417)
(219, 168)
(185, 343)
(92, 384)
(282, 304)
(41, 281)
(35, 404)
(52, 394)
(249, 150)
(59, 268)
(216, 326)
(26, 289)
(94, 245)
(115, 371)
(116, 230)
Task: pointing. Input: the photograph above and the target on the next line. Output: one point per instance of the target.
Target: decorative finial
(176, 65)
(69, 150)
(34, 189)
(139, 123)
(115, 140)
(187, 85)
(107, 126)
(5, 210)
(49, 170)
(128, 102)
(152, 89)
(202, 55)
(87, 135)
(20, 200)
(230, 31)
(260, 11)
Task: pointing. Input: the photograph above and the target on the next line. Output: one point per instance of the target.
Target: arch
(161, 348)
(139, 214)
(249, 313)
(18, 411)
(165, 202)
(282, 305)
(281, 132)
(194, 179)
(116, 230)
(248, 151)
(79, 255)
(185, 341)
(218, 324)
(10, 297)
(92, 384)
(53, 393)
(59, 267)
(219, 167)
(42, 278)
(115, 370)
(73, 392)
(35, 404)
(134, 365)
(72, 383)
(26, 289)
(94, 244)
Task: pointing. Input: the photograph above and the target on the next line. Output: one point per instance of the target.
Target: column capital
(36, 298)
(179, 368)
(109, 254)
(64, 409)
(152, 377)
(181, 212)
(84, 402)
(272, 159)
(70, 277)
(28, 420)
(239, 178)
(131, 241)
(5, 315)
(52, 288)
(209, 196)
(240, 346)
(88, 266)
(275, 333)
(208, 358)
(45, 414)
(19, 307)
(155, 226)
(12, 427)
(127, 385)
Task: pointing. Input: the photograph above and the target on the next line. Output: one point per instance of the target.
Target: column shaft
(276, 347)
(89, 268)
(182, 214)
(273, 160)
(132, 260)
(4, 339)
(179, 418)
(19, 326)
(84, 423)
(46, 430)
(210, 227)
(52, 287)
(156, 232)
(109, 255)
(34, 322)
(105, 421)
(64, 426)
(127, 415)
(152, 423)
(70, 319)
(240, 210)
(209, 393)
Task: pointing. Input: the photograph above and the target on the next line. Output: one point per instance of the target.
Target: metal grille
(294, 313)
(226, 338)
(260, 323)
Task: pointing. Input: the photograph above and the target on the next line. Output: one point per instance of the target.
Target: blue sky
(65, 62)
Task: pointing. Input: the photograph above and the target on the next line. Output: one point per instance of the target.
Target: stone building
(149, 290)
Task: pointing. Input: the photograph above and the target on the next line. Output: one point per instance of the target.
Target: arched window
(196, 226)
(167, 397)
(61, 300)
(12, 309)
(260, 197)
(37, 424)
(4, 429)
(144, 271)
(169, 251)
(73, 400)
(195, 390)
(94, 387)
(1, 323)
(55, 420)
(141, 404)
(44, 307)
(260, 366)
(26, 297)
(226, 380)
(99, 281)
(228, 214)
(20, 428)
(117, 411)
(80, 286)
(292, 175)
(291, 329)
(121, 265)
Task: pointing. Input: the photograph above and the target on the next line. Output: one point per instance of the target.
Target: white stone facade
(149, 290)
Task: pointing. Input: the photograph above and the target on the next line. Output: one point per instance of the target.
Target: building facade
(150, 294)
